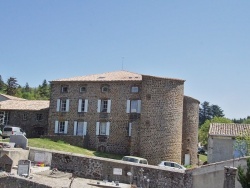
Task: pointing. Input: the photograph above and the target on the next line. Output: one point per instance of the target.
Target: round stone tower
(190, 130)
(160, 130)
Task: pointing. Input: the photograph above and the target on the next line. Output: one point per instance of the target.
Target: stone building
(222, 142)
(127, 113)
(30, 115)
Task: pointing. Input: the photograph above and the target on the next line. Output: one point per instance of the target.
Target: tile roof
(9, 97)
(110, 76)
(228, 129)
(24, 104)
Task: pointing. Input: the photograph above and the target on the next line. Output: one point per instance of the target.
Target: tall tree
(44, 90)
(216, 111)
(2, 84)
(205, 112)
(208, 112)
(26, 87)
(11, 86)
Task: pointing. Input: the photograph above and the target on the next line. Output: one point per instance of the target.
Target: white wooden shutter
(109, 106)
(99, 105)
(80, 105)
(56, 126)
(67, 105)
(129, 129)
(139, 106)
(128, 106)
(107, 128)
(58, 105)
(86, 105)
(66, 127)
(97, 128)
(84, 128)
(75, 127)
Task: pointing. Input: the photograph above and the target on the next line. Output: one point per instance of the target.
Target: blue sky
(206, 43)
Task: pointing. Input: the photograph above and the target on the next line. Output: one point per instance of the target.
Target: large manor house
(125, 113)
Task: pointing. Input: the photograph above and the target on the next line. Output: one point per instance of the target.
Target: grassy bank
(62, 146)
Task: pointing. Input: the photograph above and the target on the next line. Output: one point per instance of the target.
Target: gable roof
(110, 76)
(24, 105)
(228, 129)
(9, 97)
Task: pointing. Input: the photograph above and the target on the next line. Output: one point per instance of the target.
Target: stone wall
(190, 129)
(100, 168)
(220, 148)
(118, 140)
(12, 182)
(31, 125)
(161, 119)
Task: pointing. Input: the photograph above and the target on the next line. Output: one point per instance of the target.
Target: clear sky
(206, 43)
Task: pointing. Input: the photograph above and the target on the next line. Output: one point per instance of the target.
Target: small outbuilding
(222, 142)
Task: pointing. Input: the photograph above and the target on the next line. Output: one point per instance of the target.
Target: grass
(62, 146)
(202, 158)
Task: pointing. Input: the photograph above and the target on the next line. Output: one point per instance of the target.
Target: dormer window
(83, 89)
(64, 89)
(134, 89)
(105, 88)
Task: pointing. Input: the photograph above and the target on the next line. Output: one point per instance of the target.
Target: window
(83, 89)
(62, 105)
(104, 106)
(134, 89)
(105, 88)
(64, 89)
(61, 127)
(80, 128)
(4, 117)
(102, 128)
(133, 106)
(82, 105)
(39, 117)
(25, 116)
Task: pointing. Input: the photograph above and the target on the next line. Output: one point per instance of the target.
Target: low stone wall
(101, 169)
(73, 140)
(11, 182)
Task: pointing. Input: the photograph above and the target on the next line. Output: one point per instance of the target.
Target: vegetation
(11, 87)
(62, 146)
(204, 129)
(208, 112)
(244, 178)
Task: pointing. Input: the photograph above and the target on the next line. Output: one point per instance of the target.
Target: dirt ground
(64, 180)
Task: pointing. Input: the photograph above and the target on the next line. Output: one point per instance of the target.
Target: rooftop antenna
(122, 62)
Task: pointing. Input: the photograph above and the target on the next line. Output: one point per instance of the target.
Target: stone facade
(30, 124)
(190, 129)
(153, 130)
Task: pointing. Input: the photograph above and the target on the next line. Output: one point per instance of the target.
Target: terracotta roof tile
(24, 104)
(9, 97)
(228, 129)
(110, 76)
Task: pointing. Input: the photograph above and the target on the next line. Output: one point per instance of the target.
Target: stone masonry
(154, 132)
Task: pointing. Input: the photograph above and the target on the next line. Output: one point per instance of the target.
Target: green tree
(2, 84)
(208, 112)
(204, 129)
(246, 121)
(44, 90)
(244, 178)
(11, 86)
(205, 112)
